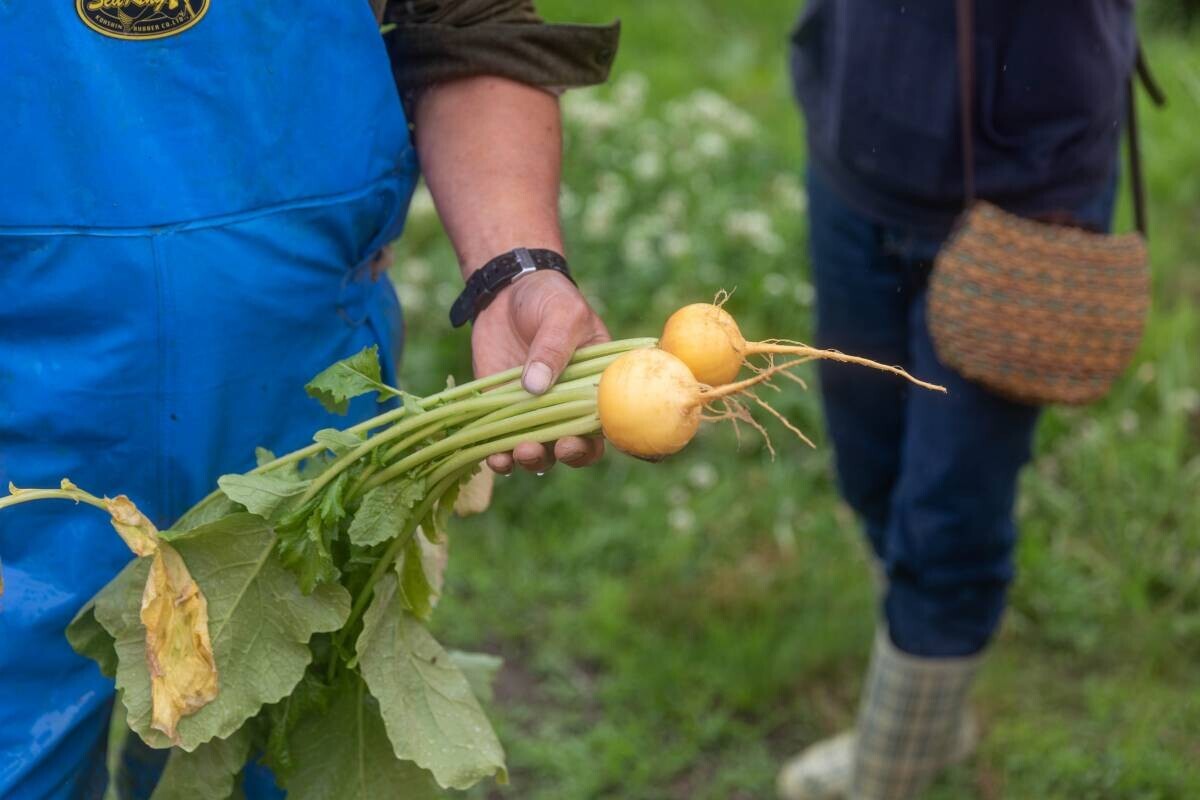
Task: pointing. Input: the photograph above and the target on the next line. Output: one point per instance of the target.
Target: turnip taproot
(707, 339)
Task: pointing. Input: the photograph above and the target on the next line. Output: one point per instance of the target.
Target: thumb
(550, 352)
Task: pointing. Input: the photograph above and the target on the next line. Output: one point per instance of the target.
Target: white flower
(584, 110)
(609, 182)
(703, 475)
(415, 270)
(646, 165)
(636, 249)
(629, 93)
(568, 202)
(676, 244)
(672, 205)
(412, 297)
(1090, 432)
(774, 284)
(1128, 421)
(707, 108)
(598, 217)
(601, 209)
(1145, 373)
(446, 293)
(649, 135)
(789, 192)
(755, 227)
(1186, 400)
(804, 293)
(634, 496)
(681, 520)
(711, 145)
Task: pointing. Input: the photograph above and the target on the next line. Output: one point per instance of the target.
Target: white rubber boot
(910, 722)
(822, 772)
(913, 722)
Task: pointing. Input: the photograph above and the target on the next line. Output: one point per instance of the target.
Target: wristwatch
(487, 281)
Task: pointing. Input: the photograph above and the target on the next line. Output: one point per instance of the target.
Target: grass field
(674, 631)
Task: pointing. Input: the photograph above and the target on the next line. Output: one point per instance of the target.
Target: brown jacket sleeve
(440, 40)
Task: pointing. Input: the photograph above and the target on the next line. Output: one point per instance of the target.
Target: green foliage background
(675, 630)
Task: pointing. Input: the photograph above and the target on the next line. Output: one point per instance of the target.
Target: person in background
(933, 477)
(194, 200)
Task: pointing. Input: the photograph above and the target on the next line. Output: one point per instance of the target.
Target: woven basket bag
(1037, 312)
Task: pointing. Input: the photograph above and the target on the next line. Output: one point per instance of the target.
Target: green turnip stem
(522, 400)
(586, 361)
(29, 495)
(581, 389)
(446, 415)
(385, 562)
(585, 391)
(583, 426)
(535, 419)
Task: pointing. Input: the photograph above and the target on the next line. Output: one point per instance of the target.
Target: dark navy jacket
(877, 80)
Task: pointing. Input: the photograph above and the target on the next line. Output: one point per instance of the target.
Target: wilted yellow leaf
(137, 531)
(476, 494)
(183, 673)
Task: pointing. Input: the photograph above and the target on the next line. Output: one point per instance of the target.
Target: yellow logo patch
(140, 19)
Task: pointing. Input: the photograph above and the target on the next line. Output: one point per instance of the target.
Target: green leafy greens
(301, 589)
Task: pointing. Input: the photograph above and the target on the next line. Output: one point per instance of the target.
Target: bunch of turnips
(284, 614)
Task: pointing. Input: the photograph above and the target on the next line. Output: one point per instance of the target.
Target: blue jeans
(932, 476)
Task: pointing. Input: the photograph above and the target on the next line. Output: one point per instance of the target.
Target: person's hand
(538, 321)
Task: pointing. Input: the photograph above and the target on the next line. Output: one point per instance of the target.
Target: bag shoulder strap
(966, 83)
(966, 94)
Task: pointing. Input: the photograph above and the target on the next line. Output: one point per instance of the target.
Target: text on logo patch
(140, 19)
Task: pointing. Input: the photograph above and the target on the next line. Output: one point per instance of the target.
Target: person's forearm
(490, 149)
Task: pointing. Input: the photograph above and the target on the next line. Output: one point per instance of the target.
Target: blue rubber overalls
(185, 226)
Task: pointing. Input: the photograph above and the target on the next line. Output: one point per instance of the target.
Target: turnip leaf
(264, 495)
(310, 696)
(385, 510)
(431, 715)
(260, 624)
(344, 752)
(416, 590)
(338, 442)
(305, 548)
(89, 639)
(207, 773)
(479, 669)
(335, 386)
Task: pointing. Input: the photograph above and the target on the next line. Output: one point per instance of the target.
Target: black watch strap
(487, 281)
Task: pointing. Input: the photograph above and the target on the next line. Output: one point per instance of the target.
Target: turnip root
(707, 339)
(651, 405)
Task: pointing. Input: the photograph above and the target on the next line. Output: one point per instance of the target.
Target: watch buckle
(525, 261)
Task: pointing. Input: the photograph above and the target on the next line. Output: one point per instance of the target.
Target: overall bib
(185, 225)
